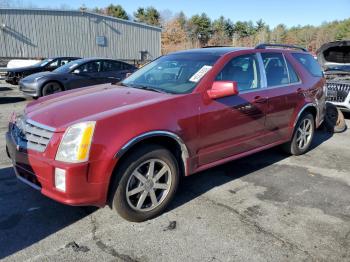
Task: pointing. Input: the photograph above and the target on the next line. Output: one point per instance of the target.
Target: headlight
(76, 142)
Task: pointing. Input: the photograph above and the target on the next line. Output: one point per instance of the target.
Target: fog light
(60, 179)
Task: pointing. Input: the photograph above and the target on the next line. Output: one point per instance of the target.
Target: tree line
(182, 32)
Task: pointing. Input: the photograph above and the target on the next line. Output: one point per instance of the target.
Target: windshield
(177, 73)
(44, 62)
(66, 68)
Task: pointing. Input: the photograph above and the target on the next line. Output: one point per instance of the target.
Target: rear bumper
(320, 105)
(39, 172)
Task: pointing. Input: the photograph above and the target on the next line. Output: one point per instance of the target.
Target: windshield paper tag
(200, 73)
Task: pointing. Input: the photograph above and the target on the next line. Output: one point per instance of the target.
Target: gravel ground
(266, 207)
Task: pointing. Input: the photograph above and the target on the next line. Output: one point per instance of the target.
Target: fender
(157, 133)
(308, 105)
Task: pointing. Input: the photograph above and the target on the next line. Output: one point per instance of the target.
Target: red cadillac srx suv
(128, 145)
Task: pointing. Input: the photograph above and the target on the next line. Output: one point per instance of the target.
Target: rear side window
(275, 68)
(91, 67)
(293, 77)
(243, 70)
(63, 62)
(126, 66)
(109, 66)
(309, 63)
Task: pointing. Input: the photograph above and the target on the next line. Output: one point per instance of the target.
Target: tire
(138, 197)
(51, 88)
(334, 119)
(302, 135)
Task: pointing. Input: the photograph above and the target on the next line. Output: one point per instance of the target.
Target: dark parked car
(78, 73)
(180, 114)
(14, 75)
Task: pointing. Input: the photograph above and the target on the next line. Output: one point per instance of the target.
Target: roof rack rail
(212, 46)
(264, 45)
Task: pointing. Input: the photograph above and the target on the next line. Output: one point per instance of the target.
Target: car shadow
(194, 186)
(27, 217)
(2, 89)
(11, 99)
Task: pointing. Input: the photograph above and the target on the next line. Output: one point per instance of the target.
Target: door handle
(259, 99)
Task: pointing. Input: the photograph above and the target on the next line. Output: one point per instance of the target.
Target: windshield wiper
(149, 88)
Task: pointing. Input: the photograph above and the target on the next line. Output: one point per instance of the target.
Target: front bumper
(11, 80)
(341, 95)
(343, 106)
(29, 88)
(38, 171)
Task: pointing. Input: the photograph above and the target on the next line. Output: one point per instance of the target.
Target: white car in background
(17, 63)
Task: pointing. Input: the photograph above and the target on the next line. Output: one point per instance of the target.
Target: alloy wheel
(304, 133)
(148, 185)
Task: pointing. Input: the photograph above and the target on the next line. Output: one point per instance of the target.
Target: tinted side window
(91, 67)
(275, 68)
(242, 69)
(53, 64)
(63, 62)
(111, 66)
(126, 66)
(293, 77)
(309, 63)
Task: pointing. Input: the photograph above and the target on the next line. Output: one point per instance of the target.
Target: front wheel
(51, 88)
(148, 181)
(302, 137)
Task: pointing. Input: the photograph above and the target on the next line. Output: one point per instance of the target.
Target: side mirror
(76, 72)
(222, 89)
(128, 74)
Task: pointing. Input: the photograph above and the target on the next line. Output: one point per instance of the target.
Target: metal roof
(211, 50)
(82, 12)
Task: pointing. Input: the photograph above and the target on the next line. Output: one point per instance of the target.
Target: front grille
(31, 135)
(341, 91)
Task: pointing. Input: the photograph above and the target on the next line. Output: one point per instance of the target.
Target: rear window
(309, 63)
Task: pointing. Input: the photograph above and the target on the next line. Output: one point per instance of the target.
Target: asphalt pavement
(266, 207)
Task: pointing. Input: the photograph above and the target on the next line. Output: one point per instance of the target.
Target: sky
(273, 12)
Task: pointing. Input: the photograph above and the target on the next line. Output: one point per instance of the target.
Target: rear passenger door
(284, 93)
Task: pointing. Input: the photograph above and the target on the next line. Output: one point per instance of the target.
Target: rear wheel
(148, 181)
(51, 88)
(302, 137)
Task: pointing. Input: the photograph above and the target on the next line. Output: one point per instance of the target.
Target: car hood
(334, 55)
(92, 103)
(24, 69)
(32, 77)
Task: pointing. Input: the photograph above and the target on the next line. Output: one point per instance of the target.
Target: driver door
(234, 124)
(85, 75)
